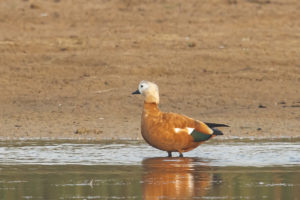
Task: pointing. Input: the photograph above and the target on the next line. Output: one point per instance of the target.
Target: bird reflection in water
(175, 178)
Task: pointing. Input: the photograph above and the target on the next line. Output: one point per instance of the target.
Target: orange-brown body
(158, 129)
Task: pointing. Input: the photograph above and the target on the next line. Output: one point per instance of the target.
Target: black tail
(213, 125)
(217, 132)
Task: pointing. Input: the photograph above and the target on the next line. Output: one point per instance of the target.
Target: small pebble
(191, 44)
(261, 106)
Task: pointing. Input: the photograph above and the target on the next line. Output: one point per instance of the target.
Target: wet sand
(67, 68)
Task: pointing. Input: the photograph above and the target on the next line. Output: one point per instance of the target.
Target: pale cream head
(150, 91)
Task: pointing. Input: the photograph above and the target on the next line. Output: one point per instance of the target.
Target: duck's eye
(142, 86)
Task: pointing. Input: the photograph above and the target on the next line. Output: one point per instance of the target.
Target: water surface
(134, 170)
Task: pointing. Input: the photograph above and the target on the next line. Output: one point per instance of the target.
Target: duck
(171, 132)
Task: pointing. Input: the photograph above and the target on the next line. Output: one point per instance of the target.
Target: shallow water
(133, 170)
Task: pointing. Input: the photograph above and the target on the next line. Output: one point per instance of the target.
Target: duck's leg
(169, 154)
(180, 154)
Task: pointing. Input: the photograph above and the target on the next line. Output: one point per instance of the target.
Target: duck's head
(149, 90)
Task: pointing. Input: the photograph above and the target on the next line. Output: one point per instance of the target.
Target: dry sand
(68, 67)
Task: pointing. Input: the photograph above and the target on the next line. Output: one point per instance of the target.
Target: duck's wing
(200, 131)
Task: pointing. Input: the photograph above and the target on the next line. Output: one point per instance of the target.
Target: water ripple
(257, 154)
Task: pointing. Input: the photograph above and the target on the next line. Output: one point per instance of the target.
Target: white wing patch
(188, 129)
(177, 130)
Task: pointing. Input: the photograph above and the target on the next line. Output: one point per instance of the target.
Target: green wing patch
(199, 137)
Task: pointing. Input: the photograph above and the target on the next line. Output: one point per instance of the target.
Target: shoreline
(120, 140)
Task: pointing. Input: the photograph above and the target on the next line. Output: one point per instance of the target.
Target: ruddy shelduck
(171, 132)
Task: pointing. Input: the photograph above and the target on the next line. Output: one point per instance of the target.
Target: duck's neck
(151, 108)
(152, 96)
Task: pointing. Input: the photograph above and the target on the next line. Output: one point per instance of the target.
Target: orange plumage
(171, 132)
